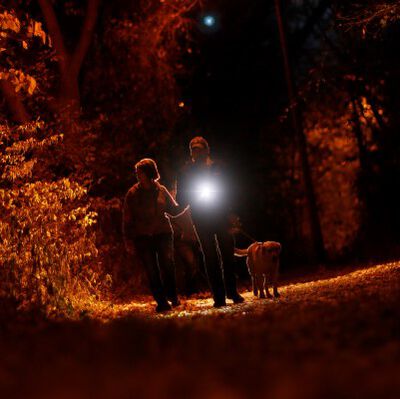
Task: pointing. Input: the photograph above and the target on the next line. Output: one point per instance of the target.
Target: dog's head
(271, 249)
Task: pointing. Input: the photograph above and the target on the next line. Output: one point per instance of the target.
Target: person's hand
(235, 225)
(178, 215)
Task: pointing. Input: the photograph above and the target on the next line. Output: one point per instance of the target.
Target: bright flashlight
(206, 192)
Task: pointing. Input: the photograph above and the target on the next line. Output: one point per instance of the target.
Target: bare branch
(86, 36)
(55, 32)
(378, 15)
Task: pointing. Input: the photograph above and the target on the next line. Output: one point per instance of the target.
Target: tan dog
(263, 264)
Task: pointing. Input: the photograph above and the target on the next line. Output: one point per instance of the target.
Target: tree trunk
(67, 104)
(14, 102)
(296, 117)
(357, 130)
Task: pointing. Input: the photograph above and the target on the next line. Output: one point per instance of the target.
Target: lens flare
(209, 20)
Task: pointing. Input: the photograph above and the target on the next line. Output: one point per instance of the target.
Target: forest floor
(336, 335)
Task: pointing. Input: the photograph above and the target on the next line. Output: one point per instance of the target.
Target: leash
(247, 235)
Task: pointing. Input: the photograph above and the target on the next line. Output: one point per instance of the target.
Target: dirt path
(329, 338)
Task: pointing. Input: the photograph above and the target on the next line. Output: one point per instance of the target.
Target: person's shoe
(175, 302)
(219, 303)
(237, 298)
(163, 307)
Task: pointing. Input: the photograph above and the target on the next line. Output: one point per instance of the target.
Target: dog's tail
(241, 252)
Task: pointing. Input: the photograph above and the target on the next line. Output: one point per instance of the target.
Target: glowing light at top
(209, 20)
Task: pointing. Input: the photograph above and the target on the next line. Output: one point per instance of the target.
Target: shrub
(47, 244)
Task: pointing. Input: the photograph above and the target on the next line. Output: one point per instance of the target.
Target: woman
(148, 232)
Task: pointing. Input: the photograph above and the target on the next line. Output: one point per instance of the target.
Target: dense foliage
(47, 243)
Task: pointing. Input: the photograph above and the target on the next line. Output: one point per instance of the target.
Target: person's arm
(181, 190)
(127, 223)
(172, 205)
(173, 208)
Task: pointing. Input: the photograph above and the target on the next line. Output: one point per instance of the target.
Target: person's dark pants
(157, 256)
(217, 245)
(188, 266)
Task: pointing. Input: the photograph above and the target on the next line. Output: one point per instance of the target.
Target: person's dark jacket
(193, 177)
(144, 211)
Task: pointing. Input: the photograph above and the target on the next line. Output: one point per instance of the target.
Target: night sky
(238, 84)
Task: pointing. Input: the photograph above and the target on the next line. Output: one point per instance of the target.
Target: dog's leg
(260, 279)
(255, 284)
(267, 291)
(250, 268)
(262, 283)
(267, 284)
(275, 285)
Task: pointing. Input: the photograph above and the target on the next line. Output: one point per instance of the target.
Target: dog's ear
(276, 247)
(272, 247)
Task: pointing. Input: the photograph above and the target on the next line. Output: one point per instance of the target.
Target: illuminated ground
(332, 337)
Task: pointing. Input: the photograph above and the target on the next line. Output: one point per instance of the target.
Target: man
(204, 185)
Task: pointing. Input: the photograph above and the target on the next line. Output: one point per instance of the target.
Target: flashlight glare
(206, 192)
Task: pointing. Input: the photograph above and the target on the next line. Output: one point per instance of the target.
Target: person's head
(199, 149)
(147, 171)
